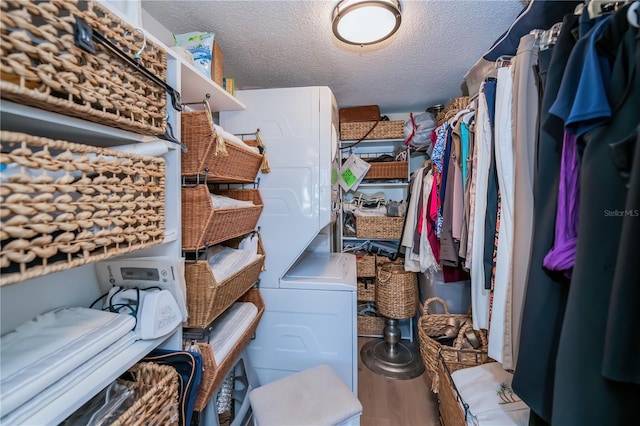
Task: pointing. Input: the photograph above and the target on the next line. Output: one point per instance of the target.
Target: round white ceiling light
(363, 22)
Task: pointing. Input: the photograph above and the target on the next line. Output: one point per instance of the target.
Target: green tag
(334, 176)
(348, 177)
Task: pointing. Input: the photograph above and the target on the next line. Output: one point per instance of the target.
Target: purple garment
(562, 255)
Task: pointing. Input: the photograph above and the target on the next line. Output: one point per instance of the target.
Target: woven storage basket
(239, 165)
(366, 290)
(157, 396)
(213, 374)
(396, 291)
(449, 404)
(366, 265)
(379, 227)
(42, 67)
(204, 225)
(452, 109)
(432, 350)
(384, 130)
(388, 170)
(370, 325)
(69, 204)
(208, 298)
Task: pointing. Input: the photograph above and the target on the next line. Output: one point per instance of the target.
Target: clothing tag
(352, 172)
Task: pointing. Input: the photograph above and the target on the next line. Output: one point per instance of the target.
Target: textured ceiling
(269, 44)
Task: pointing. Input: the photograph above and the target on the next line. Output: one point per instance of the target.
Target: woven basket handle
(382, 272)
(220, 147)
(425, 310)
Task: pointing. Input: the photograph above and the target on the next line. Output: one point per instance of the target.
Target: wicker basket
(370, 325)
(207, 298)
(366, 289)
(396, 291)
(366, 265)
(157, 396)
(452, 109)
(388, 170)
(451, 411)
(384, 130)
(42, 66)
(432, 350)
(379, 227)
(212, 374)
(238, 165)
(69, 204)
(204, 225)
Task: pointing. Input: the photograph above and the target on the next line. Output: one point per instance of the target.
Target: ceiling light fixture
(364, 22)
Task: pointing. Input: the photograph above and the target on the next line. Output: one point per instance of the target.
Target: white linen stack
(229, 327)
(486, 388)
(226, 261)
(48, 354)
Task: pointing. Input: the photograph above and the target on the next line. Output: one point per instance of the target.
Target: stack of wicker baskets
(433, 352)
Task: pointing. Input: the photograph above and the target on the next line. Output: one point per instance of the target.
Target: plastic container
(457, 295)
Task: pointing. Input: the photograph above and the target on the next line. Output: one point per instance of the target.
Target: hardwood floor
(388, 402)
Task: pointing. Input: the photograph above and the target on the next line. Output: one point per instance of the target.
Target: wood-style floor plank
(388, 402)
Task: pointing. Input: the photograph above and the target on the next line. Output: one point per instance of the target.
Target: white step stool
(313, 397)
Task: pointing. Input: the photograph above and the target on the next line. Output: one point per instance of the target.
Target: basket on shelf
(366, 265)
(202, 224)
(67, 204)
(213, 374)
(382, 227)
(208, 153)
(208, 298)
(44, 68)
(366, 289)
(370, 325)
(157, 395)
(396, 291)
(387, 170)
(392, 129)
(433, 351)
(452, 109)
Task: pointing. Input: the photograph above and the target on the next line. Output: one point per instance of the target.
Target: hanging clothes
(582, 394)
(525, 116)
(480, 296)
(504, 172)
(546, 291)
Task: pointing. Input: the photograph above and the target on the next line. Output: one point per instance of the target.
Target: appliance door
(295, 125)
(304, 328)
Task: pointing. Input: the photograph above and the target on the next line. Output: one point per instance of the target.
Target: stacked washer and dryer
(309, 291)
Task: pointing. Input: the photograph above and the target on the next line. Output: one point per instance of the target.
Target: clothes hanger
(597, 8)
(633, 14)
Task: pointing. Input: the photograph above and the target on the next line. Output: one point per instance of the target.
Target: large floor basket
(432, 351)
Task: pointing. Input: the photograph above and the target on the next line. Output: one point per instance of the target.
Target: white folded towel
(486, 388)
(40, 352)
(222, 202)
(229, 327)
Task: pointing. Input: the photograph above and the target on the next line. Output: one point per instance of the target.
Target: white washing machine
(309, 292)
(310, 320)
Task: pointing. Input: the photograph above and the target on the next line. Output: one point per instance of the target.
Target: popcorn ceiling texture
(269, 44)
